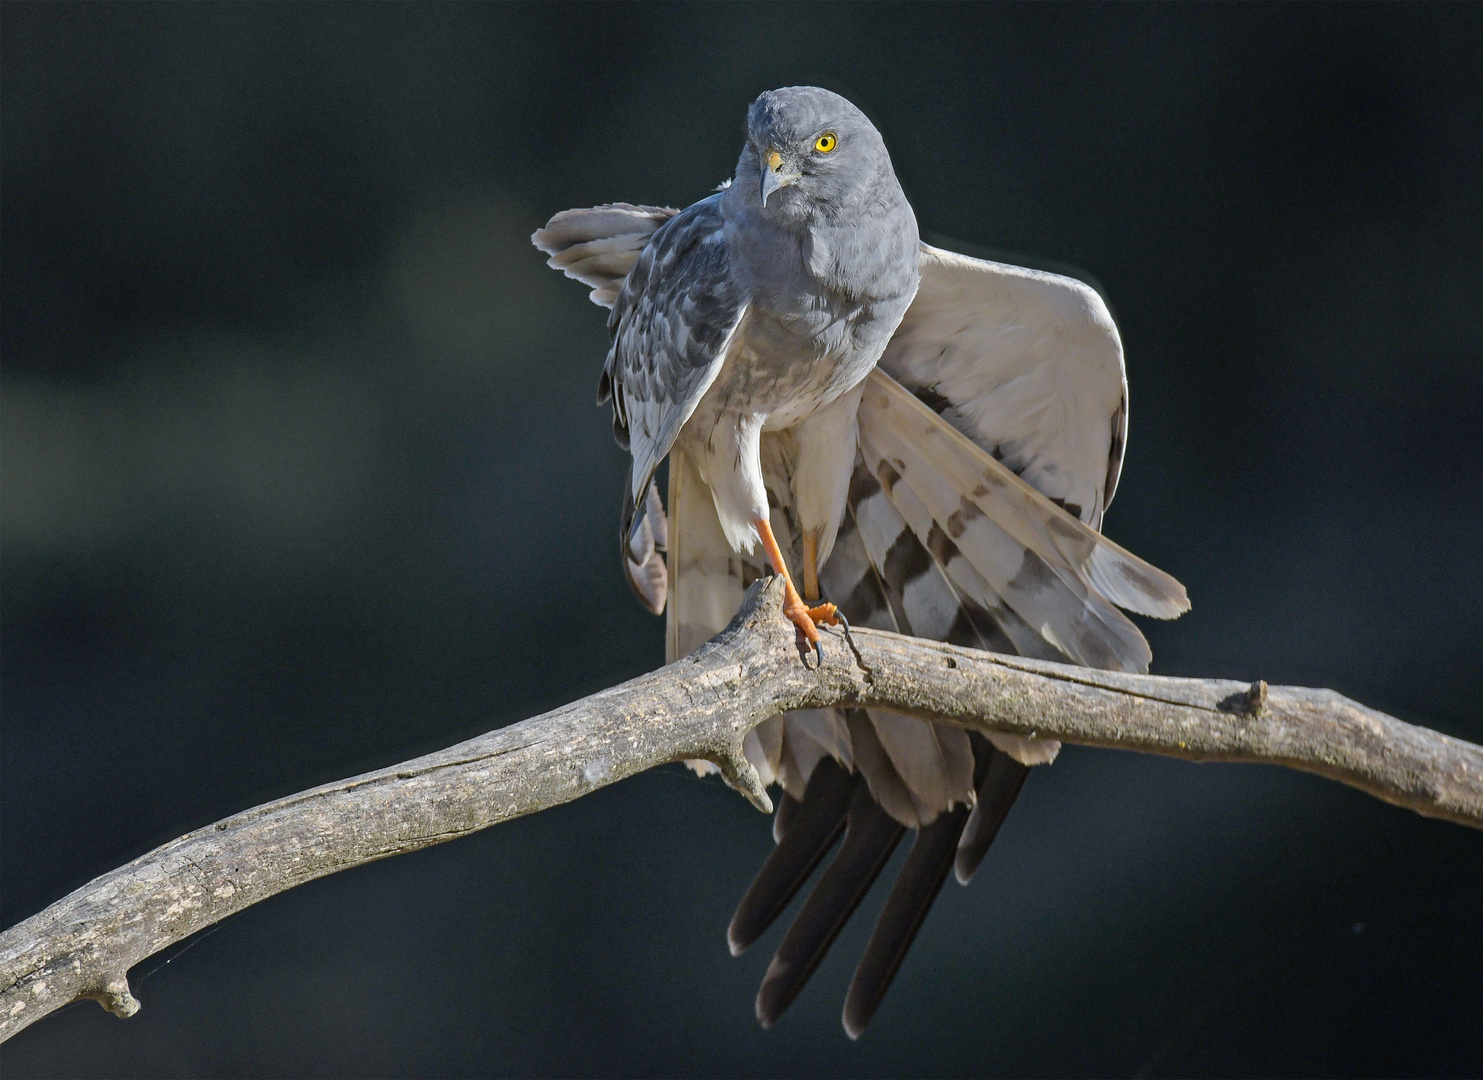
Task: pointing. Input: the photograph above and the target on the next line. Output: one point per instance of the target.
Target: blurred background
(302, 476)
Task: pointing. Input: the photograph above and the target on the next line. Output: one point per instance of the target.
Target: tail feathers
(708, 579)
(911, 898)
(810, 736)
(1025, 749)
(871, 835)
(811, 828)
(1000, 785)
(763, 747)
(885, 783)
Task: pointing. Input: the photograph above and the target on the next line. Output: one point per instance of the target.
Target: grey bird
(930, 439)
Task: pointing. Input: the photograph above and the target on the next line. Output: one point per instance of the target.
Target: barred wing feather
(1026, 552)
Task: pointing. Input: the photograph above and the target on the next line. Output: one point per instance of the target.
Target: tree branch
(700, 707)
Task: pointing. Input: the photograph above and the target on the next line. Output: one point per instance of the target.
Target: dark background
(302, 476)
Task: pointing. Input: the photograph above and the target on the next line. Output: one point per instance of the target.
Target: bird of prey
(927, 439)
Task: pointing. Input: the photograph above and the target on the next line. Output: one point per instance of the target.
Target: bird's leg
(825, 613)
(820, 613)
(798, 613)
(811, 564)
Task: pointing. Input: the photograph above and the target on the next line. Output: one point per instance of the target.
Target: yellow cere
(825, 142)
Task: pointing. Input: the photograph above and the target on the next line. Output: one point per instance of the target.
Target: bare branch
(700, 707)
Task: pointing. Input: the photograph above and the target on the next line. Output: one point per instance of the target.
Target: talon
(825, 614)
(807, 619)
(848, 640)
(801, 617)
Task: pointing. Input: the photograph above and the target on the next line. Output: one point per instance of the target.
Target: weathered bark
(700, 707)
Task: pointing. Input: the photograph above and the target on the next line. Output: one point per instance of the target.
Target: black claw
(845, 624)
(802, 642)
(819, 649)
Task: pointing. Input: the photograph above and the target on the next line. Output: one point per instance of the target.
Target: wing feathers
(814, 824)
(906, 908)
(600, 245)
(1029, 365)
(991, 515)
(870, 836)
(997, 791)
(644, 537)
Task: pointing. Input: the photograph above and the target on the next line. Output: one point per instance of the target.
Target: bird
(927, 439)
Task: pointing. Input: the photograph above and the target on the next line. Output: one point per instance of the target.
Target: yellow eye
(825, 142)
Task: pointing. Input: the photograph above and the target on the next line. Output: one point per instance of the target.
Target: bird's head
(808, 149)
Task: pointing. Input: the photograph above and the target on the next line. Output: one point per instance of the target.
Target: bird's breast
(821, 307)
(786, 366)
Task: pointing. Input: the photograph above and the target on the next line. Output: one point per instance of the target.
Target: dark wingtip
(906, 909)
(812, 827)
(870, 838)
(788, 808)
(997, 791)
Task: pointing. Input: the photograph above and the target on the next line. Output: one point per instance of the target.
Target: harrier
(926, 439)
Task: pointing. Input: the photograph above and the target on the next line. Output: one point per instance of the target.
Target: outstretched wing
(600, 245)
(972, 517)
(1002, 543)
(1026, 364)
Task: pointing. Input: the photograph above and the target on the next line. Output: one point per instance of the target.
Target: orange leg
(811, 565)
(806, 618)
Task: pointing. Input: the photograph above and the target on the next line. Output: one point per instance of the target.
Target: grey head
(811, 154)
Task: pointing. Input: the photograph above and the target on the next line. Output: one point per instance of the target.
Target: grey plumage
(955, 489)
(671, 323)
(598, 247)
(740, 318)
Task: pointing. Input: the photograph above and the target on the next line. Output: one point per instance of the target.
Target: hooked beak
(773, 176)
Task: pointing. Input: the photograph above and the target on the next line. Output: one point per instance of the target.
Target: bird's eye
(826, 142)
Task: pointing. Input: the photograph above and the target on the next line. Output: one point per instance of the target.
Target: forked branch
(700, 707)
